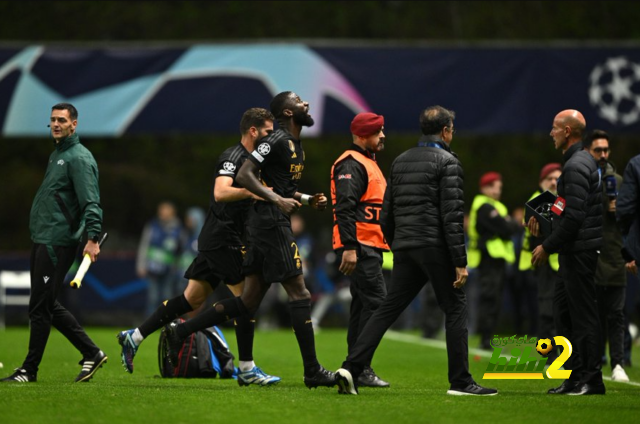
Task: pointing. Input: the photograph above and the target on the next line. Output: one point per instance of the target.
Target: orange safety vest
(368, 231)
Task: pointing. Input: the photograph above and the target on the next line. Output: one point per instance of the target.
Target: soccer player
(220, 254)
(273, 254)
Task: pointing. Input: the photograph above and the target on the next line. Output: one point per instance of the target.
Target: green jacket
(67, 203)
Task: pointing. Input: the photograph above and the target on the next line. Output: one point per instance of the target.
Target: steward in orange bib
(357, 190)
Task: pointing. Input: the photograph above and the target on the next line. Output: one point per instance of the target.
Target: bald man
(577, 237)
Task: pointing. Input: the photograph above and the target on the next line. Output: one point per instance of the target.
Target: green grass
(417, 373)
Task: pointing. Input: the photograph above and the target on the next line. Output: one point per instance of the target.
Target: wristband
(305, 199)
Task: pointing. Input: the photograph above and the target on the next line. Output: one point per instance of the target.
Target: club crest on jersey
(264, 149)
(291, 146)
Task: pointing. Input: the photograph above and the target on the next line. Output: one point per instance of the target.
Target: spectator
(611, 278)
(158, 252)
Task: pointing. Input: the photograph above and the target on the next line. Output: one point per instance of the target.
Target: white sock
(137, 337)
(246, 365)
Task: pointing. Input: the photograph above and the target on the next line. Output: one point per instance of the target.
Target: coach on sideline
(422, 219)
(66, 206)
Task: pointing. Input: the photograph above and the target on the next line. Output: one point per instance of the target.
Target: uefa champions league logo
(614, 90)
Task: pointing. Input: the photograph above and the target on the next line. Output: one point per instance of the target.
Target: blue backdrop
(205, 88)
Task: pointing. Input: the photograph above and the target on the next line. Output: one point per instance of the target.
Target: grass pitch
(416, 369)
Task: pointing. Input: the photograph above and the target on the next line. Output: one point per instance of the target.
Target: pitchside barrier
(15, 287)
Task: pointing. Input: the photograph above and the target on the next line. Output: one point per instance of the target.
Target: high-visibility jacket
(525, 254)
(368, 231)
(496, 247)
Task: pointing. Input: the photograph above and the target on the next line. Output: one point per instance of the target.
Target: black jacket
(423, 204)
(628, 209)
(579, 227)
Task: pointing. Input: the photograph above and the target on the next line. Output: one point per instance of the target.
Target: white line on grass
(439, 344)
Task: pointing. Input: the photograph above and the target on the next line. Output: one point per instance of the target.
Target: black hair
(73, 112)
(279, 103)
(594, 135)
(434, 118)
(254, 117)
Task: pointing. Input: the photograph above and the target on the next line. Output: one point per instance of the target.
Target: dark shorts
(272, 252)
(213, 266)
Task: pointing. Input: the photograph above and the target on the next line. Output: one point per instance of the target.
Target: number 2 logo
(554, 370)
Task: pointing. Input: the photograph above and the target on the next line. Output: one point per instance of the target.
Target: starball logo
(527, 358)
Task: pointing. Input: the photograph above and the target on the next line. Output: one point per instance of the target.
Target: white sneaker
(618, 374)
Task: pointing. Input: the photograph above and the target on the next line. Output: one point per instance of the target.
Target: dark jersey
(281, 160)
(225, 222)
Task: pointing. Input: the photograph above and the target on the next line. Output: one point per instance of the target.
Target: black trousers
(412, 269)
(612, 321)
(491, 273)
(546, 279)
(576, 315)
(368, 290)
(49, 266)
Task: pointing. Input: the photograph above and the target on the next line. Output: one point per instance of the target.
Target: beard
(301, 117)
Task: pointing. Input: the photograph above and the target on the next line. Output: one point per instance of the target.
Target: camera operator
(611, 278)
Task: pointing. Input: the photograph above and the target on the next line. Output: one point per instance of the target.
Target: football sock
(137, 337)
(301, 323)
(245, 329)
(166, 312)
(221, 312)
(246, 365)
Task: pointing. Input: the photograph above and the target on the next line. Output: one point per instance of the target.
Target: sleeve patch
(344, 177)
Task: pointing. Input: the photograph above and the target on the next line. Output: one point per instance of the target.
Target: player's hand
(288, 205)
(539, 256)
(349, 262)
(632, 267)
(93, 249)
(318, 201)
(461, 277)
(534, 226)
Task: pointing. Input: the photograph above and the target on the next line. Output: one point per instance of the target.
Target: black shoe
(90, 366)
(588, 389)
(345, 382)
(564, 388)
(473, 389)
(174, 343)
(368, 378)
(322, 377)
(20, 376)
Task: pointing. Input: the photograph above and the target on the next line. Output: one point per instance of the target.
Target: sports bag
(204, 354)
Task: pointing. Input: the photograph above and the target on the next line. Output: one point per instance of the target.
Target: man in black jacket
(628, 213)
(577, 236)
(422, 219)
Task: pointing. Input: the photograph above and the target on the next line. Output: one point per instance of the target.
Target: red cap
(365, 124)
(489, 178)
(548, 169)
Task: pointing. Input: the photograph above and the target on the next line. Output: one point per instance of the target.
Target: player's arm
(248, 178)
(223, 191)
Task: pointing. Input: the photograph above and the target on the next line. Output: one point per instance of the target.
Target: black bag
(204, 354)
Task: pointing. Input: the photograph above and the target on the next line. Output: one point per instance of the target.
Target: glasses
(451, 129)
(601, 150)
